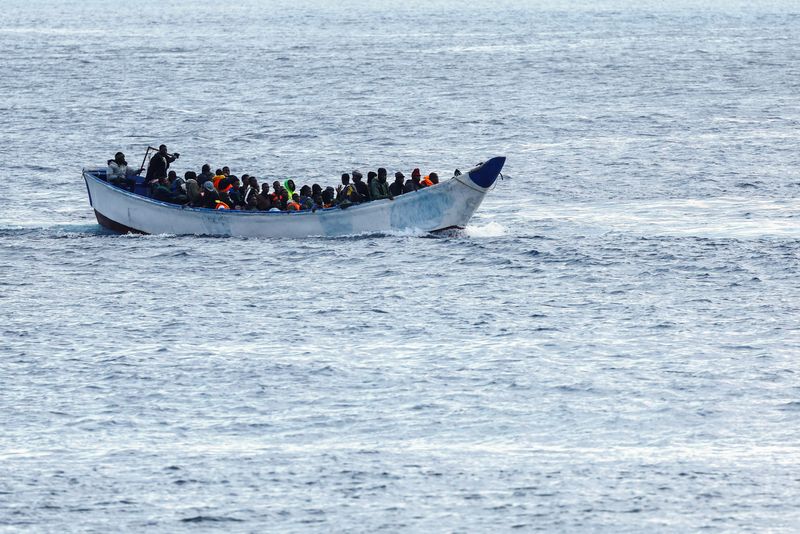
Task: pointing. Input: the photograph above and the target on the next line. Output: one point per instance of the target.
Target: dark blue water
(611, 346)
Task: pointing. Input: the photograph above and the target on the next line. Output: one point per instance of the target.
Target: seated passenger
(177, 188)
(210, 196)
(205, 174)
(361, 188)
(161, 190)
(249, 192)
(279, 196)
(426, 181)
(235, 192)
(434, 178)
(290, 188)
(117, 173)
(328, 197)
(397, 187)
(418, 175)
(192, 188)
(318, 202)
(346, 191)
(294, 204)
(380, 189)
(371, 175)
(263, 202)
(218, 176)
(411, 185)
(225, 197)
(305, 200)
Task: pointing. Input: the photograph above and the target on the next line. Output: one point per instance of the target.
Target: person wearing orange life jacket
(218, 177)
(426, 181)
(294, 203)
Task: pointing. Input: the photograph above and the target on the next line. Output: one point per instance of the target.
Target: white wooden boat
(449, 204)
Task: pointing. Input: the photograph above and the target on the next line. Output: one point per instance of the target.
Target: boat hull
(446, 205)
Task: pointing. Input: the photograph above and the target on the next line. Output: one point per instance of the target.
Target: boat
(447, 205)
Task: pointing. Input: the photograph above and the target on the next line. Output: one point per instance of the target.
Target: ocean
(611, 345)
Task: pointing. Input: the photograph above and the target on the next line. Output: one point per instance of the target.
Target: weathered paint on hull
(447, 205)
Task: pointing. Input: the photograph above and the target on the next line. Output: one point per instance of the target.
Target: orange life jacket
(292, 205)
(426, 182)
(217, 179)
(221, 205)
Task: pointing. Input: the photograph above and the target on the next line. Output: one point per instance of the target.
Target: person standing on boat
(117, 173)
(159, 164)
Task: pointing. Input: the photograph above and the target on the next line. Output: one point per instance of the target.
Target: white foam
(491, 229)
(720, 217)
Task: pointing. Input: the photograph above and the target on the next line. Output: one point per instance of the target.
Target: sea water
(611, 345)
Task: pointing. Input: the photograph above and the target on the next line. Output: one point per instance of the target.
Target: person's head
(345, 179)
(190, 175)
(206, 168)
(226, 170)
(296, 197)
(416, 174)
(357, 176)
(209, 186)
(172, 175)
(162, 150)
(316, 189)
(415, 178)
(265, 188)
(245, 178)
(327, 195)
(236, 183)
(254, 182)
(276, 185)
(371, 176)
(399, 177)
(218, 172)
(163, 180)
(382, 172)
(290, 185)
(305, 191)
(434, 177)
(119, 157)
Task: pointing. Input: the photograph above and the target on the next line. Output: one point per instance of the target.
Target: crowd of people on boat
(222, 190)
